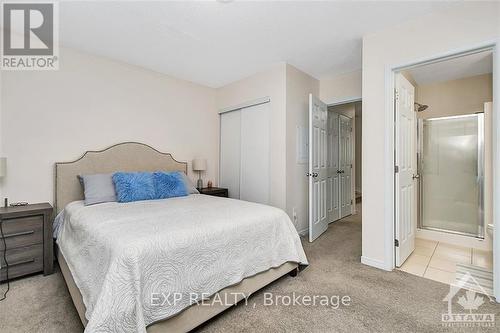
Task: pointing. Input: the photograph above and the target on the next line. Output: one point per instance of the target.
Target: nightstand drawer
(22, 231)
(22, 261)
(219, 194)
(215, 191)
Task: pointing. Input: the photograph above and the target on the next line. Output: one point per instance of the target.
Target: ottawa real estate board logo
(469, 294)
(29, 36)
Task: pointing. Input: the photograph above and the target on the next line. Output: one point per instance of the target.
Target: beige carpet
(381, 301)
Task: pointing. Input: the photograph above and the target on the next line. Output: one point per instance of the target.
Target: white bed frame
(134, 156)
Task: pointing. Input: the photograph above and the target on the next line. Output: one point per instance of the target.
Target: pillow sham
(98, 188)
(169, 185)
(191, 189)
(134, 186)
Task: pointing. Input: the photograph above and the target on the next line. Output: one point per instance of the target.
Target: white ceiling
(454, 69)
(217, 42)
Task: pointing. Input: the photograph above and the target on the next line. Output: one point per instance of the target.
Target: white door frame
(341, 101)
(389, 190)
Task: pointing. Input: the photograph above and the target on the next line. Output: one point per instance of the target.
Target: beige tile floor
(437, 260)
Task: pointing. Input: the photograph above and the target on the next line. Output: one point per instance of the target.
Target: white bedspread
(121, 255)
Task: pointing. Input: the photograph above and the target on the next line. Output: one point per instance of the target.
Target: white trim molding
(495, 168)
(247, 104)
(347, 100)
(375, 263)
(303, 232)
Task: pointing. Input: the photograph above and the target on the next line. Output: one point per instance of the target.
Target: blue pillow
(169, 185)
(134, 186)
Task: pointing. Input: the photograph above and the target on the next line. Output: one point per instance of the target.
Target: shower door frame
(480, 174)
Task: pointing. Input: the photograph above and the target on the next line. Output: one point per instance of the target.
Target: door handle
(417, 176)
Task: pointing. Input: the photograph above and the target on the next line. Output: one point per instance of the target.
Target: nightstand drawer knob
(23, 233)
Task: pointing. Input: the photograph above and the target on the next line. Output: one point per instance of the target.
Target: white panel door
(254, 176)
(230, 147)
(318, 218)
(406, 199)
(345, 165)
(333, 167)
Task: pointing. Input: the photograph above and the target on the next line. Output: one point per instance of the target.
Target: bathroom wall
(456, 97)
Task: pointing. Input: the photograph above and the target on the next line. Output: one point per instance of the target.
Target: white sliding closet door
(244, 153)
(254, 176)
(230, 147)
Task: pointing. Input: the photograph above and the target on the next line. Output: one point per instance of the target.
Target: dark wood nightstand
(27, 234)
(215, 191)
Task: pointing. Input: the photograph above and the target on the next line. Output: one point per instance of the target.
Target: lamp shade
(3, 166)
(199, 164)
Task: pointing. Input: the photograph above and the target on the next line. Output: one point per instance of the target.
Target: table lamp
(199, 164)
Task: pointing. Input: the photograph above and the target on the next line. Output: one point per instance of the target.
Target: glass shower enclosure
(451, 168)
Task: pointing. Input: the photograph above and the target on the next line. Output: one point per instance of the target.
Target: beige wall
(413, 41)
(456, 97)
(269, 83)
(92, 103)
(340, 88)
(298, 87)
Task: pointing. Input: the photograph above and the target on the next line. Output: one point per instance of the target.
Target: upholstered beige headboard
(127, 156)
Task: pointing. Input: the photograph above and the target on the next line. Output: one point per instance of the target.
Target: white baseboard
(375, 263)
(303, 232)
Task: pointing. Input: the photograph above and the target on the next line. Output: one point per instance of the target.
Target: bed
(157, 265)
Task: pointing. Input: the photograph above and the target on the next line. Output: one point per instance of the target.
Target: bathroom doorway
(443, 170)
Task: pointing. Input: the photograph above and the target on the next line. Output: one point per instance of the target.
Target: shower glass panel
(451, 174)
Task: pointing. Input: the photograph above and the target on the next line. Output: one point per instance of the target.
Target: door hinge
(396, 243)
(396, 94)
(396, 169)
